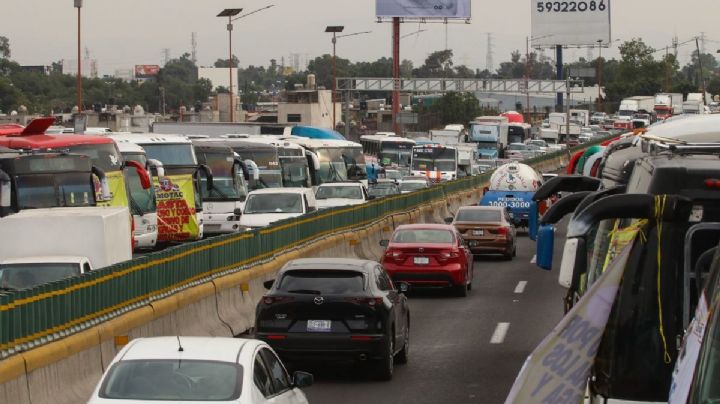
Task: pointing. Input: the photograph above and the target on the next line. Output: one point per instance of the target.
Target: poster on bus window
(118, 192)
(423, 8)
(177, 219)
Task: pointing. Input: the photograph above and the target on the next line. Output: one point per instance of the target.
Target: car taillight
(369, 301)
(500, 230)
(447, 255)
(397, 255)
(270, 300)
(712, 183)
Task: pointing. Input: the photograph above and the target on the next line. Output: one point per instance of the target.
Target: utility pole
(79, 91)
(702, 77)
(601, 107)
(396, 74)
(527, 78)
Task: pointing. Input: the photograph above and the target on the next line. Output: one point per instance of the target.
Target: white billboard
(423, 8)
(581, 22)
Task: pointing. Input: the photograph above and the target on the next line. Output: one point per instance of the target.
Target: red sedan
(429, 255)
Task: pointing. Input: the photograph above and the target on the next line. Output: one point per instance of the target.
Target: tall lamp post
(334, 29)
(599, 74)
(230, 13)
(78, 90)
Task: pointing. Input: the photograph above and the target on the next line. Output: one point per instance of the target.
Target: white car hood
(264, 219)
(332, 202)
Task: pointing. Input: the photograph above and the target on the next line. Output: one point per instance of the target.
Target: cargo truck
(48, 245)
(632, 105)
(667, 105)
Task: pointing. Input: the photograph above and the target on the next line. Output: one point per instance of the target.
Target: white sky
(120, 34)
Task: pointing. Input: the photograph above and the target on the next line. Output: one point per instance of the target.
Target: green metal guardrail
(30, 318)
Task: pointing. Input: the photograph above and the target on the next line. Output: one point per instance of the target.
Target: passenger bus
(332, 160)
(387, 150)
(264, 156)
(435, 161)
(143, 204)
(179, 202)
(103, 153)
(48, 181)
(294, 168)
(223, 202)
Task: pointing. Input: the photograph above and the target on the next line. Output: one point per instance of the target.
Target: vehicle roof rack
(654, 147)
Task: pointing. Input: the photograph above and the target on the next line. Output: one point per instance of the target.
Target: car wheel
(461, 290)
(404, 354)
(385, 366)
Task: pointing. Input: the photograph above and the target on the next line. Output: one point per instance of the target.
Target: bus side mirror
(157, 166)
(105, 195)
(144, 176)
(533, 220)
(315, 161)
(253, 169)
(545, 246)
(5, 190)
(208, 174)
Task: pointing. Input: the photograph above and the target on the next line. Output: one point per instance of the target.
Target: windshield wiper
(305, 291)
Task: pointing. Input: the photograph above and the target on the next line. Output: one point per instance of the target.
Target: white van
(266, 206)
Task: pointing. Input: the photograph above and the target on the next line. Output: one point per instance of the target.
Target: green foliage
(4, 47)
(454, 108)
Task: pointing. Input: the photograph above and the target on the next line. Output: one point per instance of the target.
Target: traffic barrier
(211, 286)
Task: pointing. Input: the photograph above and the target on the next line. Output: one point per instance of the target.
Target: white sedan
(199, 369)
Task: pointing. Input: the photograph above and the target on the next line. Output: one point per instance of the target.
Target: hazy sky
(120, 34)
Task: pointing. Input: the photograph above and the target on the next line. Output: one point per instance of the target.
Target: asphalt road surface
(462, 350)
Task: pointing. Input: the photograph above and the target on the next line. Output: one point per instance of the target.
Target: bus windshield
(227, 182)
(171, 154)
(104, 156)
(434, 159)
(355, 163)
(396, 153)
(54, 190)
(268, 164)
(142, 200)
(294, 172)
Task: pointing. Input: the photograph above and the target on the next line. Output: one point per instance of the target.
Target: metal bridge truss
(460, 85)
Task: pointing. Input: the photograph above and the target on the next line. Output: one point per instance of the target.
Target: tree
(226, 63)
(638, 73)
(437, 64)
(4, 47)
(454, 108)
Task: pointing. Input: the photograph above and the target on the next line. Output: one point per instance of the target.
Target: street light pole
(78, 5)
(230, 13)
(527, 77)
(334, 29)
(601, 107)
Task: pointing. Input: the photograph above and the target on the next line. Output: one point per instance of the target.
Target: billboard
(146, 71)
(581, 22)
(423, 8)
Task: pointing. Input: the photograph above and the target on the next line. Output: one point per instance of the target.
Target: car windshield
(28, 275)
(172, 380)
(423, 236)
(54, 190)
(171, 154)
(274, 203)
(393, 174)
(322, 282)
(517, 147)
(383, 190)
(478, 215)
(330, 191)
(412, 186)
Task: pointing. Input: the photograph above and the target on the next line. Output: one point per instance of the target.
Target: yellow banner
(118, 191)
(177, 220)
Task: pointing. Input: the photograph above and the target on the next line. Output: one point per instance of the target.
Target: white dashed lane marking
(520, 287)
(499, 335)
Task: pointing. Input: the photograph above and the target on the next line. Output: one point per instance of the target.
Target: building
(309, 106)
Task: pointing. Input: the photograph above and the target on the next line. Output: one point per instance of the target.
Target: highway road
(463, 350)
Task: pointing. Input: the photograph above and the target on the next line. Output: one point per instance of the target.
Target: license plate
(478, 232)
(422, 260)
(319, 325)
(473, 243)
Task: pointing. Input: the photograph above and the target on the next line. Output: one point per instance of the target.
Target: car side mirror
(237, 212)
(302, 379)
(269, 284)
(5, 190)
(384, 243)
(449, 220)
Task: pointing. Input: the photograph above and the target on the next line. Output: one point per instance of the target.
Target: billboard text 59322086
(423, 8)
(578, 22)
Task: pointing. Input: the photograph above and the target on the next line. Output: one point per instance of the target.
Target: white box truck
(668, 104)
(45, 245)
(632, 105)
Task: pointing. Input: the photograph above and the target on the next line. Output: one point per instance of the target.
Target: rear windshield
(322, 282)
(478, 215)
(423, 236)
(173, 380)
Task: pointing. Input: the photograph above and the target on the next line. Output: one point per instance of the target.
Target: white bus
(332, 160)
(435, 161)
(387, 149)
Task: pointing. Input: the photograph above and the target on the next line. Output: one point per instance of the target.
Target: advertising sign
(146, 71)
(423, 8)
(581, 22)
(176, 208)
